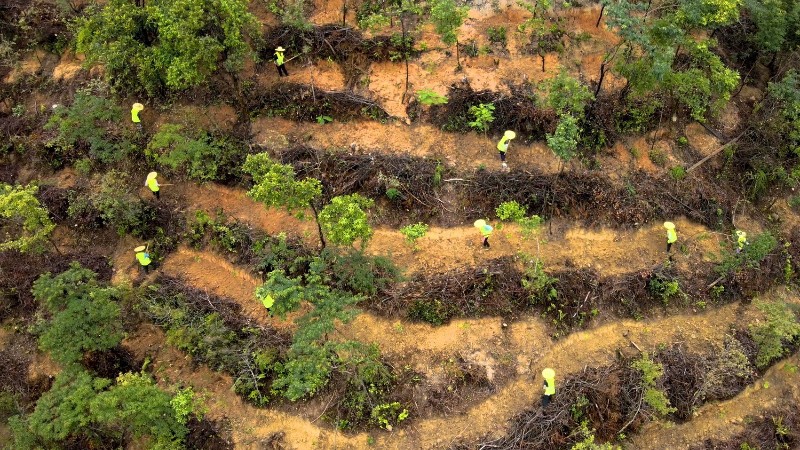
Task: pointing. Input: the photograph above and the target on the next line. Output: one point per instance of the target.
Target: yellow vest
(135, 116)
(486, 230)
(279, 58)
(152, 184)
(503, 144)
(742, 240)
(143, 257)
(672, 236)
(550, 386)
(268, 301)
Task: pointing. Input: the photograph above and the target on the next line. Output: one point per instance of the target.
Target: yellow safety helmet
(480, 223)
(548, 373)
(280, 49)
(137, 107)
(140, 248)
(740, 233)
(510, 134)
(669, 225)
(152, 175)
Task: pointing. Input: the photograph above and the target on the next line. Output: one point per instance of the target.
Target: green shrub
(497, 35)
(87, 128)
(780, 327)
(428, 97)
(25, 225)
(658, 157)
(540, 286)
(393, 194)
(664, 288)
(651, 371)
(413, 232)
(83, 315)
(344, 220)
(567, 95)
(102, 413)
(760, 247)
(357, 273)
(677, 173)
(432, 311)
(511, 210)
(116, 203)
(166, 44)
(482, 115)
(199, 155)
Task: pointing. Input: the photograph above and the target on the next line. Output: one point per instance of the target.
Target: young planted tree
(448, 17)
(344, 220)
(276, 186)
(402, 11)
(24, 224)
(167, 44)
(564, 142)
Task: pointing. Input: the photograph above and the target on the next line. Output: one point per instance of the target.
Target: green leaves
(567, 95)
(89, 123)
(564, 142)
(24, 224)
(277, 186)
(345, 221)
(483, 115)
(169, 43)
(447, 17)
(84, 316)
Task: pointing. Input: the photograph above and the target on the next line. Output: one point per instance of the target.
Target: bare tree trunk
(600, 17)
(344, 13)
(600, 81)
(542, 56)
(319, 226)
(458, 61)
(405, 52)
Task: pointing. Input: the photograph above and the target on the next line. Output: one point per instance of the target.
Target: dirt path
(526, 339)
(465, 151)
(722, 420)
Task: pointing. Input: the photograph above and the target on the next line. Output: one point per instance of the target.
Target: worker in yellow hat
(152, 183)
(549, 376)
(485, 229)
(280, 59)
(672, 235)
(502, 145)
(741, 240)
(268, 301)
(135, 109)
(143, 257)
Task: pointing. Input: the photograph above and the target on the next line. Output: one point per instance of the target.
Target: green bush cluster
(779, 328)
(87, 128)
(167, 44)
(25, 225)
(434, 312)
(81, 315)
(114, 201)
(198, 154)
(209, 340)
(654, 397)
(101, 412)
(413, 232)
(761, 246)
(513, 211)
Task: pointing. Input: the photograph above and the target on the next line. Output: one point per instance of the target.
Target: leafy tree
(277, 186)
(200, 155)
(429, 97)
(567, 95)
(413, 232)
(61, 412)
(101, 412)
(345, 221)
(448, 17)
(777, 23)
(483, 115)
(707, 13)
(135, 407)
(390, 10)
(292, 13)
(115, 202)
(167, 43)
(84, 316)
(87, 128)
(564, 142)
(24, 223)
